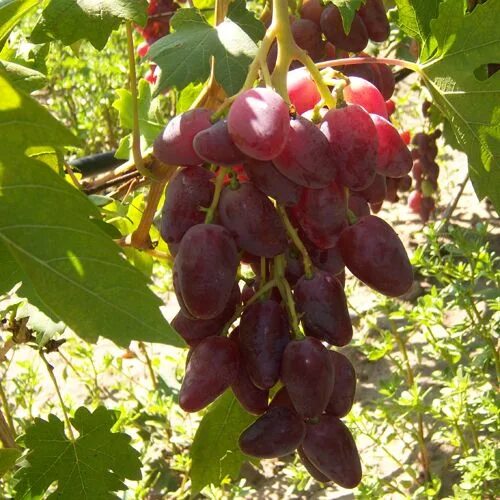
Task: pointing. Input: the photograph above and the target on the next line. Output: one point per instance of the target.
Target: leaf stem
(292, 233)
(286, 294)
(50, 370)
(349, 61)
(140, 237)
(219, 184)
(424, 454)
(151, 371)
(323, 89)
(8, 415)
(239, 310)
(136, 133)
(6, 437)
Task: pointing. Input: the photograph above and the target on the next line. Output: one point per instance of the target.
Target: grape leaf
(24, 123)
(347, 10)
(414, 18)
(23, 78)
(75, 269)
(465, 42)
(215, 453)
(11, 12)
(149, 129)
(245, 19)
(94, 465)
(184, 56)
(8, 457)
(72, 20)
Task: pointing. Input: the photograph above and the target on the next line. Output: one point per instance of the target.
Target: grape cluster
(425, 171)
(270, 189)
(157, 26)
(369, 23)
(320, 33)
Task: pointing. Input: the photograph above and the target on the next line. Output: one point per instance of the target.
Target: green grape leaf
(94, 465)
(11, 12)
(246, 20)
(72, 20)
(184, 56)
(24, 123)
(25, 79)
(215, 453)
(414, 18)
(70, 269)
(463, 44)
(149, 128)
(8, 457)
(347, 10)
(187, 96)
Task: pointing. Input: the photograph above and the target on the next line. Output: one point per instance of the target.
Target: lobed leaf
(462, 46)
(184, 56)
(11, 12)
(72, 20)
(94, 465)
(70, 269)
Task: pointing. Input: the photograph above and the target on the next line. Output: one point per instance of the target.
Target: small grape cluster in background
(157, 26)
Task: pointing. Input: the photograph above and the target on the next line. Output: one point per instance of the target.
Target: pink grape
(307, 158)
(394, 157)
(259, 122)
(302, 90)
(365, 94)
(174, 146)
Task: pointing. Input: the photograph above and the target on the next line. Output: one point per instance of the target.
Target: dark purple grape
(311, 9)
(321, 301)
(282, 399)
(328, 260)
(333, 29)
(394, 157)
(344, 388)
(294, 266)
(174, 146)
(330, 447)
(386, 83)
(376, 191)
(258, 123)
(392, 189)
(193, 331)
(251, 218)
(272, 182)
(315, 473)
(275, 434)
(253, 399)
(188, 191)
(374, 18)
(205, 270)
(307, 36)
(308, 374)
(307, 158)
(211, 369)
(358, 205)
(373, 252)
(353, 141)
(404, 183)
(215, 145)
(263, 336)
(321, 213)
